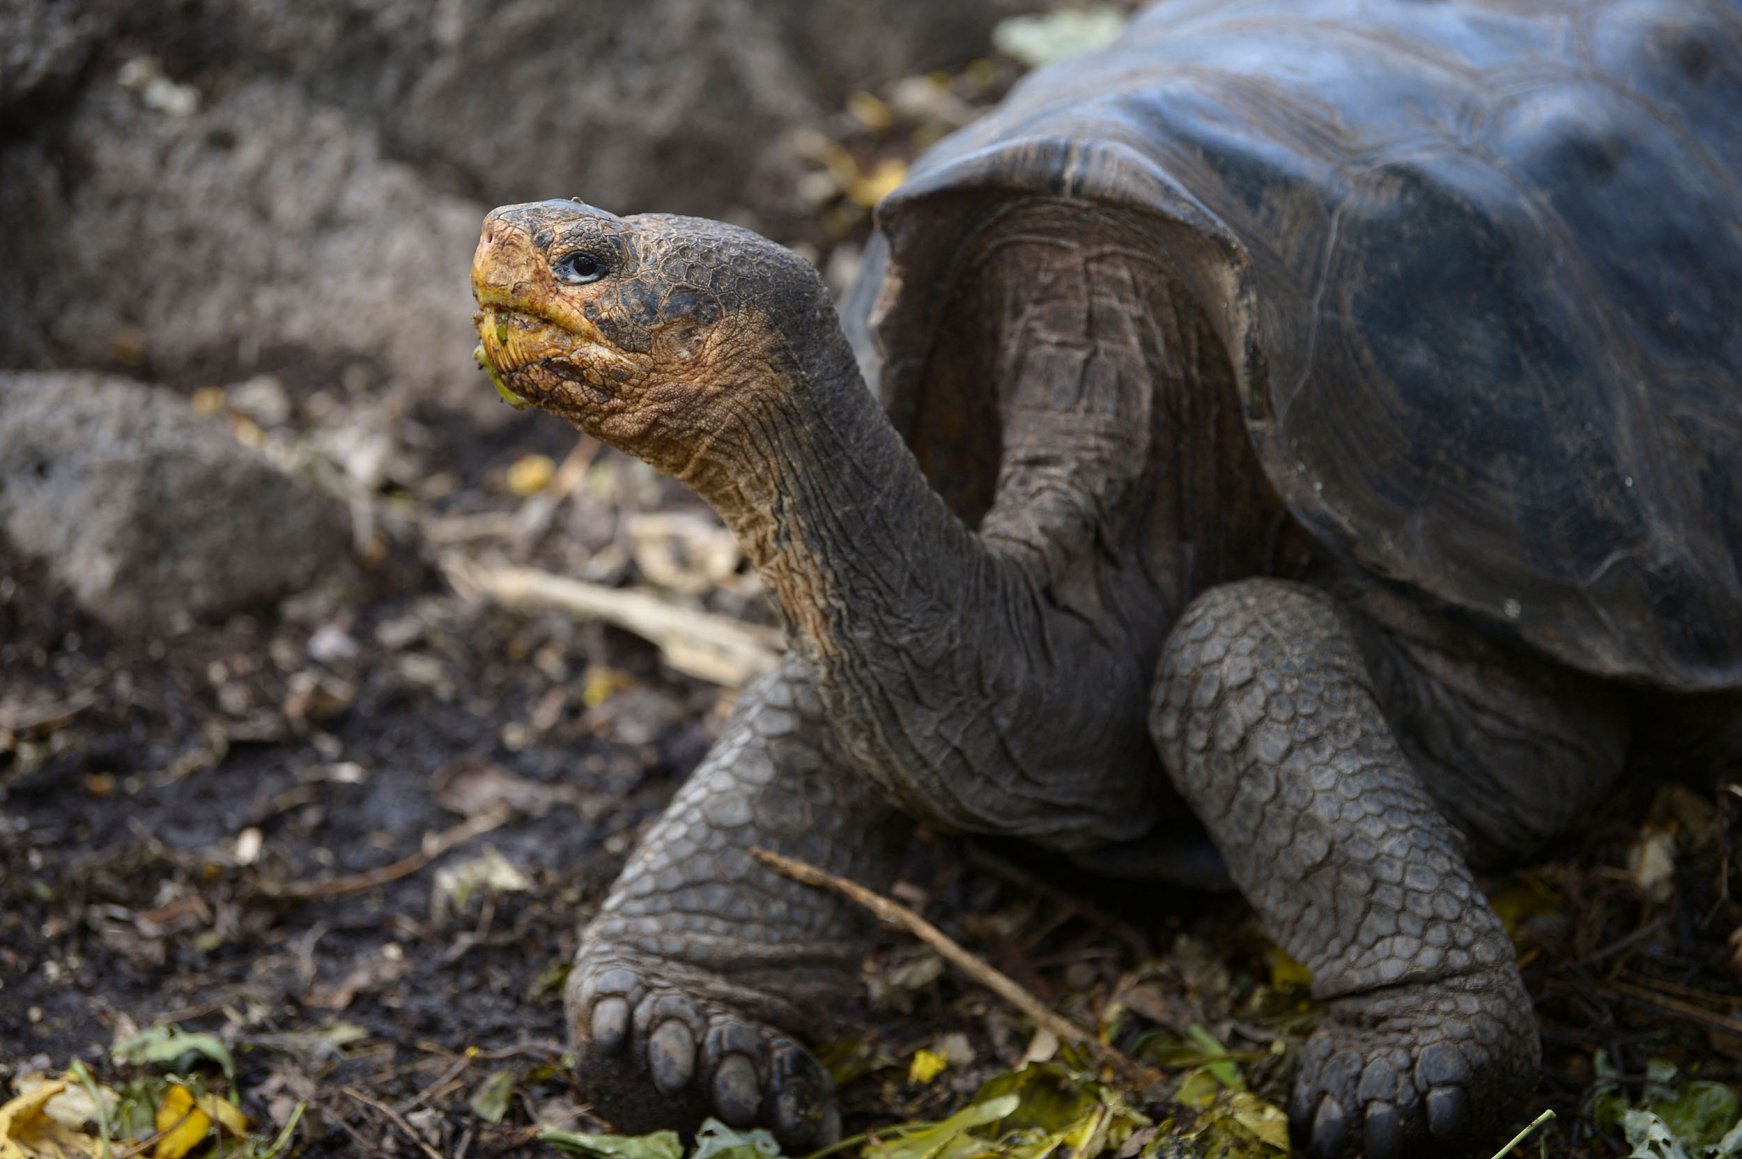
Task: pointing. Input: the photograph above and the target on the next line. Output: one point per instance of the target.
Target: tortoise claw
(653, 1052)
(1368, 1086)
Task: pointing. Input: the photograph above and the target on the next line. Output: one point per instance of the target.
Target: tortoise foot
(663, 1045)
(1432, 1068)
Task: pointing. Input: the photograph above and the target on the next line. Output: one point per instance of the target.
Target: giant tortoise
(1321, 419)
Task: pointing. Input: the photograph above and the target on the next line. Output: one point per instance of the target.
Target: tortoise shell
(1476, 265)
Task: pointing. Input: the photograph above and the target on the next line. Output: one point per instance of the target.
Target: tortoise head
(655, 333)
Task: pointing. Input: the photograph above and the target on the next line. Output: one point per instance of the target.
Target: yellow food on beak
(502, 388)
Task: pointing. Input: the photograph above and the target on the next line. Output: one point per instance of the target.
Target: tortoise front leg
(1265, 717)
(703, 969)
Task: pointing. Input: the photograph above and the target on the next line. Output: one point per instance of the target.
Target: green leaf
(848, 1059)
(658, 1145)
(1063, 1111)
(1263, 1121)
(1058, 35)
(339, 1033)
(1605, 1103)
(169, 1047)
(1240, 1125)
(1050, 1096)
(715, 1140)
(1659, 1073)
(948, 1139)
(1649, 1137)
(490, 1100)
(1198, 1089)
(1216, 1062)
(1699, 1113)
(1690, 1119)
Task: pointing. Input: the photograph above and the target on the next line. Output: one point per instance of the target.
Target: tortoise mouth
(516, 344)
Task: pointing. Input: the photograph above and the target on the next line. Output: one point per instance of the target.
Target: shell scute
(1476, 265)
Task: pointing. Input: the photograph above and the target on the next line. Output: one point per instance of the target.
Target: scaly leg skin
(703, 965)
(1265, 717)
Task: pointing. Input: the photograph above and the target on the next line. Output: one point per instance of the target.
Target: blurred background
(197, 192)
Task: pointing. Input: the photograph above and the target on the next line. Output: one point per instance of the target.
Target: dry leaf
(600, 683)
(870, 111)
(456, 885)
(185, 1119)
(28, 1131)
(531, 474)
(1651, 862)
(1053, 36)
(874, 186)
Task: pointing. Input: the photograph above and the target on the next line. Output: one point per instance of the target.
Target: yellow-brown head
(656, 334)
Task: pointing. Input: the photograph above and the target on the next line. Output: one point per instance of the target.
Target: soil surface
(356, 840)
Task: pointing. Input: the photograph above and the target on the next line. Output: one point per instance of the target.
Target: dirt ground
(355, 841)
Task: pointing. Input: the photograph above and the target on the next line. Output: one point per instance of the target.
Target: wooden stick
(404, 867)
(1522, 1135)
(1643, 995)
(395, 1118)
(697, 643)
(538, 511)
(896, 914)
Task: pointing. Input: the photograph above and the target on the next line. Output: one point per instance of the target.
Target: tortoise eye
(579, 268)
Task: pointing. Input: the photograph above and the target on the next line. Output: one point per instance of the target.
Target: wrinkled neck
(855, 546)
(947, 674)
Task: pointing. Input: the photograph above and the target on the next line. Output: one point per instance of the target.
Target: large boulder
(45, 44)
(661, 104)
(256, 230)
(200, 191)
(151, 514)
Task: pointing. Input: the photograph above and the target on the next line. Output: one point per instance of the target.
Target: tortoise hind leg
(1266, 718)
(695, 982)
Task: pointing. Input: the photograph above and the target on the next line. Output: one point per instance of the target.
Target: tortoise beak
(508, 268)
(524, 318)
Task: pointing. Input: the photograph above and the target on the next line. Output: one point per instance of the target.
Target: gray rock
(201, 192)
(44, 44)
(261, 229)
(148, 512)
(661, 104)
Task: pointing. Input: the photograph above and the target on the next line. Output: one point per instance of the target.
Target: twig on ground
(213, 747)
(20, 718)
(364, 1146)
(896, 914)
(538, 511)
(1127, 932)
(287, 1134)
(1524, 1134)
(1652, 999)
(1643, 933)
(448, 530)
(426, 1095)
(404, 867)
(700, 644)
(395, 1118)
